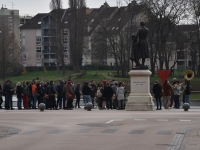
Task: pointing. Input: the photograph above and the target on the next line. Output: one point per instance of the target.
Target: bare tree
(195, 11)
(77, 30)
(9, 53)
(164, 15)
(57, 33)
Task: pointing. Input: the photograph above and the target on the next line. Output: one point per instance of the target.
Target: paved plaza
(79, 129)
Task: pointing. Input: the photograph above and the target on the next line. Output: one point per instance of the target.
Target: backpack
(99, 93)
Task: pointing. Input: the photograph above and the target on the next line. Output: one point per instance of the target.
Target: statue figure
(142, 48)
(134, 51)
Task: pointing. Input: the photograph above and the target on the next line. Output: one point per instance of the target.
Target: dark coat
(19, 91)
(157, 90)
(188, 89)
(143, 48)
(86, 90)
(108, 91)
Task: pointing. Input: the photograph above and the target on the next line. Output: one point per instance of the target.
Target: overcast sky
(33, 7)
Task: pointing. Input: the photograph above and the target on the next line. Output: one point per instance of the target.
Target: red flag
(163, 74)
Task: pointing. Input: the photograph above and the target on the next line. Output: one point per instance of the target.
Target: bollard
(89, 106)
(186, 106)
(42, 106)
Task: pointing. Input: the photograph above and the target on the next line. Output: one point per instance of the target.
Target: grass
(101, 75)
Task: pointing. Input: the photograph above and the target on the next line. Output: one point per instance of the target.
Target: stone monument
(140, 98)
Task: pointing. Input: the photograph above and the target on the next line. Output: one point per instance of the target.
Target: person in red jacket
(167, 87)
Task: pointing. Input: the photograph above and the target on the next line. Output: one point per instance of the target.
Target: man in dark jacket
(93, 91)
(86, 93)
(59, 90)
(9, 90)
(108, 93)
(51, 92)
(157, 89)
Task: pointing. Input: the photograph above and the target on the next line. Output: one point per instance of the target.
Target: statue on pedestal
(140, 48)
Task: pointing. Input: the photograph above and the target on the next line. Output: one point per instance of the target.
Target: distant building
(11, 18)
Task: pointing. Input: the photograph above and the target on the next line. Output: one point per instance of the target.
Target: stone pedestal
(140, 98)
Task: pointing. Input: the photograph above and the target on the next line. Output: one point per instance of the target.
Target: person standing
(69, 93)
(108, 93)
(25, 95)
(51, 93)
(19, 92)
(35, 94)
(86, 93)
(177, 89)
(93, 91)
(120, 96)
(78, 94)
(157, 89)
(59, 90)
(167, 88)
(183, 90)
(9, 90)
(41, 92)
(187, 92)
(114, 99)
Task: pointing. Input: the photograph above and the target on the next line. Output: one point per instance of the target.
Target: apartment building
(11, 18)
(39, 41)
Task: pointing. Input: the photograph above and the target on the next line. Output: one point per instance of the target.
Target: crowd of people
(171, 93)
(104, 95)
(61, 95)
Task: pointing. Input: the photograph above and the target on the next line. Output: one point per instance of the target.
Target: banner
(163, 74)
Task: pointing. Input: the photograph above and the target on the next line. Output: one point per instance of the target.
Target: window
(66, 22)
(65, 48)
(65, 40)
(10, 27)
(119, 19)
(10, 20)
(39, 22)
(113, 28)
(38, 56)
(38, 49)
(23, 56)
(65, 56)
(92, 20)
(38, 40)
(65, 31)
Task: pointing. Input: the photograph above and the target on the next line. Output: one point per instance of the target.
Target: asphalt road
(79, 129)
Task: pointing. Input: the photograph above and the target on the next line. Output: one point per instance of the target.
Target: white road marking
(118, 119)
(140, 119)
(162, 120)
(185, 120)
(110, 121)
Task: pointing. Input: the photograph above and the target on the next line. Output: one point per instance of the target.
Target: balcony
(45, 34)
(45, 26)
(46, 43)
(49, 60)
(48, 51)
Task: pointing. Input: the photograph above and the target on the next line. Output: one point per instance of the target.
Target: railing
(50, 60)
(46, 43)
(45, 34)
(47, 51)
